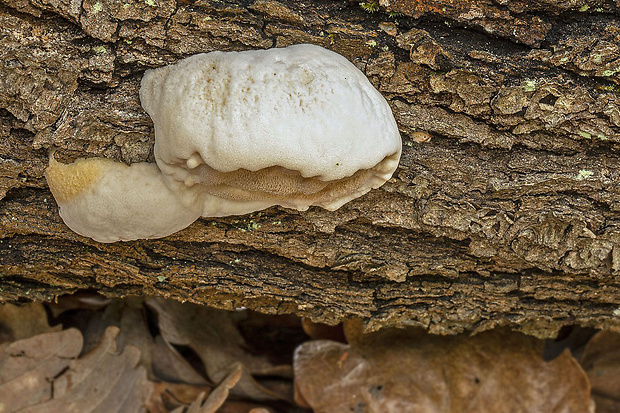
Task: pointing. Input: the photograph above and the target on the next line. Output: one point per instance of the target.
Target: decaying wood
(504, 211)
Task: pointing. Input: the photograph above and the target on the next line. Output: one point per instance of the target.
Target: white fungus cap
(109, 201)
(238, 132)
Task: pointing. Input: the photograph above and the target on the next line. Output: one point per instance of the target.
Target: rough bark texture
(504, 211)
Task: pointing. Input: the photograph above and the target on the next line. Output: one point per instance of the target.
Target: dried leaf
(193, 407)
(19, 322)
(134, 330)
(213, 336)
(169, 365)
(601, 361)
(130, 316)
(168, 396)
(101, 381)
(217, 397)
(411, 371)
(28, 367)
(175, 397)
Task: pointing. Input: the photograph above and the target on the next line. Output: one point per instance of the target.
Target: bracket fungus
(237, 132)
(296, 127)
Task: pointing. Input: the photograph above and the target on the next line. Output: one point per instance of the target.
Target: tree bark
(504, 210)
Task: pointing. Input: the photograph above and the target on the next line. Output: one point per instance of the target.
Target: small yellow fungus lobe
(68, 181)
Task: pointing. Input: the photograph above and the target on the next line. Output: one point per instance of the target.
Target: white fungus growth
(238, 132)
(243, 131)
(109, 201)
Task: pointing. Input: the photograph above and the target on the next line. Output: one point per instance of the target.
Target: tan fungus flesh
(284, 186)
